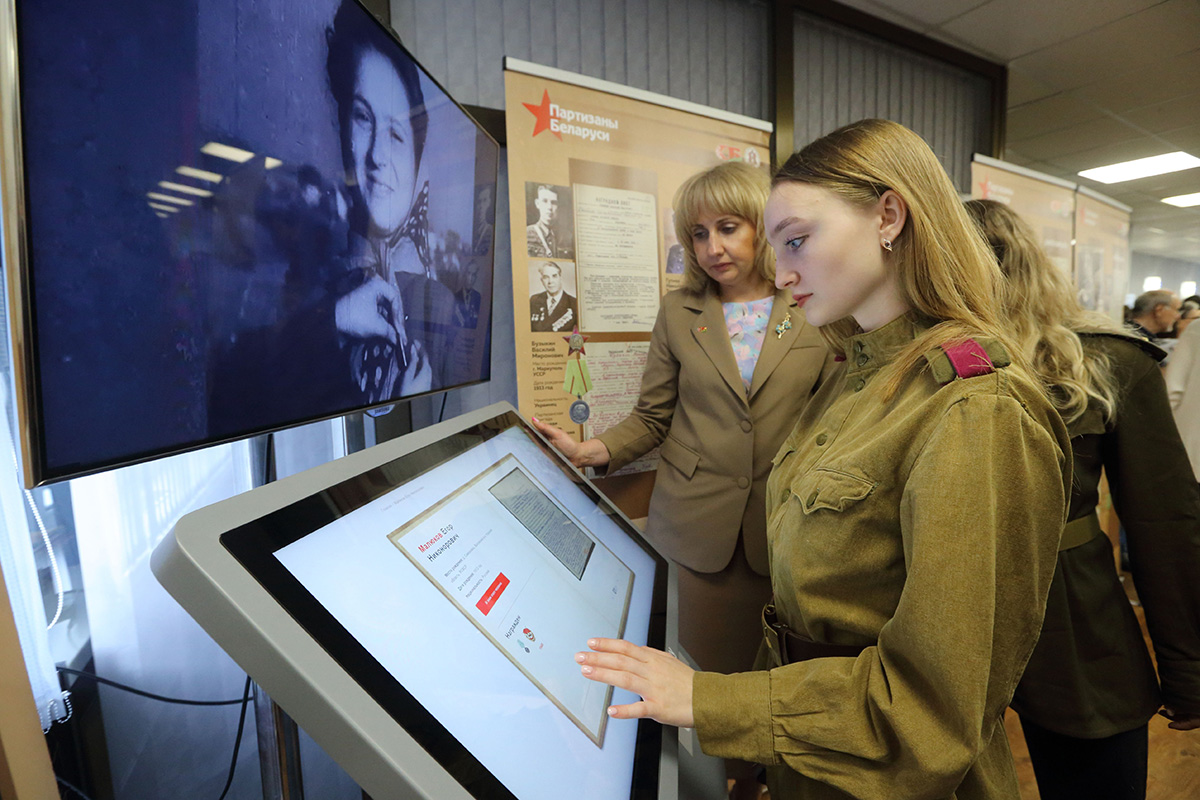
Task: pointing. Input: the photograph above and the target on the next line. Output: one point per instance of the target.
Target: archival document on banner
(528, 575)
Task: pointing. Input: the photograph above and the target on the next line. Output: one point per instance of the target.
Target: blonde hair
(729, 188)
(945, 271)
(1044, 314)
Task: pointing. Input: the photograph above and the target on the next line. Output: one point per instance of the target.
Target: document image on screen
(529, 577)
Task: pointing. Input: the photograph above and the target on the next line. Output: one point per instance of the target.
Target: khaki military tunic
(1090, 675)
(926, 527)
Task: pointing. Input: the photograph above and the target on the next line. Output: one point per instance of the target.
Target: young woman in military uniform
(914, 511)
(1090, 687)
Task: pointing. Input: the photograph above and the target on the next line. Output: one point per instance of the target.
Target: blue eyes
(795, 242)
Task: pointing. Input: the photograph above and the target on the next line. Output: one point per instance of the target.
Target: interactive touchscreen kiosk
(416, 607)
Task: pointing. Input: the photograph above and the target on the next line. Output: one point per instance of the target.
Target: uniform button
(821, 439)
(747, 426)
(812, 499)
(743, 482)
(859, 384)
(863, 358)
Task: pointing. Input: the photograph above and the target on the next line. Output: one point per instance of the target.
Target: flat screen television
(225, 217)
(416, 607)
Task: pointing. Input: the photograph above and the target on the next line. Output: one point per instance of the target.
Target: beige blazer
(717, 442)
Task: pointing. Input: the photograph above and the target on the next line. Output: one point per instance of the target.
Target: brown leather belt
(789, 647)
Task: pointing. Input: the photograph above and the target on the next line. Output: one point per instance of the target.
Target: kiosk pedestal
(416, 607)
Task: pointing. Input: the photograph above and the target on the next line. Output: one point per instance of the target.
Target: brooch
(702, 329)
(784, 326)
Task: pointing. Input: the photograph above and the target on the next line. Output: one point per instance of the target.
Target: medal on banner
(577, 381)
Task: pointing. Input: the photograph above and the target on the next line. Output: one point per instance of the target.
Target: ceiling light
(202, 174)
(227, 152)
(1142, 168)
(1152, 283)
(179, 187)
(271, 163)
(1156, 230)
(1183, 200)
(1187, 288)
(161, 207)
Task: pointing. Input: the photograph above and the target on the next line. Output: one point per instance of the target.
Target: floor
(1174, 770)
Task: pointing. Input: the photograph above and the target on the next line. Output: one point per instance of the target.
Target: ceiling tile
(1048, 115)
(924, 13)
(1023, 88)
(1080, 136)
(1162, 80)
(1171, 115)
(1161, 32)
(1013, 28)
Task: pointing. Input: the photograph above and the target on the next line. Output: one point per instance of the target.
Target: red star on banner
(542, 113)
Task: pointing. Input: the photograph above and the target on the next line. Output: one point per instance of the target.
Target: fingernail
(579, 657)
(592, 643)
(612, 711)
(587, 670)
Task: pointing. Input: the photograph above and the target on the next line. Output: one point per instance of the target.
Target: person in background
(1090, 687)
(732, 363)
(914, 511)
(1154, 313)
(1183, 391)
(1189, 311)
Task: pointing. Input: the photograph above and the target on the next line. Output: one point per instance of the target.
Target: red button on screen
(492, 594)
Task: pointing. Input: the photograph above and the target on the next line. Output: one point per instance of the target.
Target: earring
(887, 245)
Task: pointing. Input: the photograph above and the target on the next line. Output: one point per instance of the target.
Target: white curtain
(20, 574)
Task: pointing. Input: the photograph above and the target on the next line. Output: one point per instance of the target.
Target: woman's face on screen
(381, 142)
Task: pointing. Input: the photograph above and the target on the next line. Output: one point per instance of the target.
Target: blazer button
(821, 439)
(743, 482)
(747, 426)
(863, 358)
(858, 386)
(812, 499)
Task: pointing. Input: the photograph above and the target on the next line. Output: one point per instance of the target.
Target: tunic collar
(868, 352)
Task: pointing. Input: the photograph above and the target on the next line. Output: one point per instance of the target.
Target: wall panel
(712, 52)
(843, 75)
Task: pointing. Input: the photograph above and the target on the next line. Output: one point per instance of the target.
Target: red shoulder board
(969, 359)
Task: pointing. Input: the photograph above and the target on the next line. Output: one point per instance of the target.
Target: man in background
(1155, 313)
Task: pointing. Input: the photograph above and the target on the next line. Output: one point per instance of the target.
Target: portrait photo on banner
(552, 296)
(549, 220)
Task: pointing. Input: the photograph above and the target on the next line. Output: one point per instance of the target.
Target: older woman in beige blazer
(719, 418)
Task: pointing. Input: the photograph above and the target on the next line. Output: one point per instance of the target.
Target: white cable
(58, 586)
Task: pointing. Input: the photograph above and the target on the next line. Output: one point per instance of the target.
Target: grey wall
(712, 52)
(842, 76)
(1172, 271)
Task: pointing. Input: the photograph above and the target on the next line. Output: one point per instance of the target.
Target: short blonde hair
(729, 188)
(945, 270)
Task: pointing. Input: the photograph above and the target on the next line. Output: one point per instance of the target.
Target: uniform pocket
(831, 489)
(680, 456)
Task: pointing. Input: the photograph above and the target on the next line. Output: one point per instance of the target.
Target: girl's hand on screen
(662, 680)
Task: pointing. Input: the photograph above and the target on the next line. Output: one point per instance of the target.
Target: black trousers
(1067, 768)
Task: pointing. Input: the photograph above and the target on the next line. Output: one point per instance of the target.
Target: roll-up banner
(592, 168)
(1085, 233)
